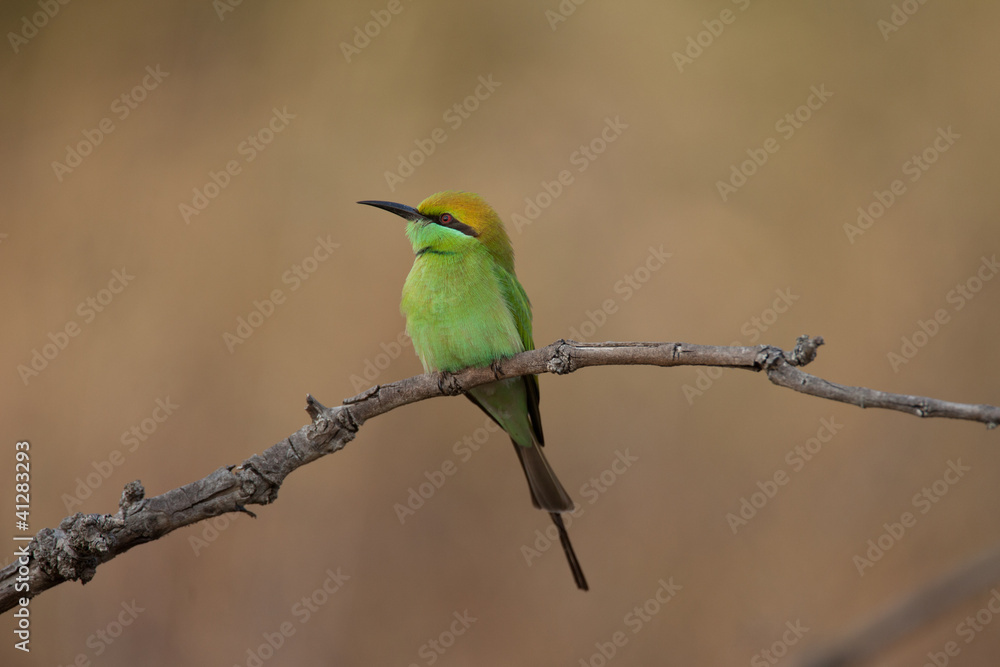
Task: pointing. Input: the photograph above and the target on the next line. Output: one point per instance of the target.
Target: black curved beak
(402, 210)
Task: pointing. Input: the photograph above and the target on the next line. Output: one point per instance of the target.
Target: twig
(82, 542)
(913, 612)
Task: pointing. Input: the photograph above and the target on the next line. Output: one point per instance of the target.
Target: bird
(465, 307)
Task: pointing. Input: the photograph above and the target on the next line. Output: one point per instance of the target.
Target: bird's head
(453, 222)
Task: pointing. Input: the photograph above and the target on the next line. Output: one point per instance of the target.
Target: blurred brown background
(209, 596)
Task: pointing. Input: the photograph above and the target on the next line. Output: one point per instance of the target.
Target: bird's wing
(520, 310)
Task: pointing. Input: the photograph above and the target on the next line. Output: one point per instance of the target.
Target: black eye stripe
(450, 221)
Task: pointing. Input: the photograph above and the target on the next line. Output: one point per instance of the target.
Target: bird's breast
(456, 312)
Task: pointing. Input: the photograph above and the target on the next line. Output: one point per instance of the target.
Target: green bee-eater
(465, 307)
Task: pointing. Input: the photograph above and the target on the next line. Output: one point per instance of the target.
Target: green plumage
(465, 307)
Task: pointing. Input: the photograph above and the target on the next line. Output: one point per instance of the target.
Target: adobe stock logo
(900, 16)
(264, 309)
(967, 629)
(88, 310)
(419, 494)
(752, 329)
(249, 149)
(638, 618)
(38, 20)
(796, 459)
(454, 116)
(786, 126)
(103, 637)
(697, 44)
(303, 610)
(363, 35)
(223, 7)
(916, 166)
(122, 106)
(375, 366)
(779, 649)
(924, 500)
(958, 297)
(626, 288)
(435, 648)
(131, 439)
(592, 491)
(585, 155)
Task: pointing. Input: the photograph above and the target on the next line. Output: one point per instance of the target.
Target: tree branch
(904, 617)
(82, 542)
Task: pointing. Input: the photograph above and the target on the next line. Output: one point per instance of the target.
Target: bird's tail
(548, 494)
(574, 564)
(546, 491)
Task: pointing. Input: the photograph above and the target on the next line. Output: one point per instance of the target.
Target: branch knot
(449, 385)
(805, 350)
(561, 361)
(77, 547)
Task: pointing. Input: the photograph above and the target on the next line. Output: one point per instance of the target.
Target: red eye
(446, 218)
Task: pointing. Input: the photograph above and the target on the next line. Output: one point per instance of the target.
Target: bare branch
(73, 551)
(913, 612)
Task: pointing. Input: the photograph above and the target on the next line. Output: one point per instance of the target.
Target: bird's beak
(402, 210)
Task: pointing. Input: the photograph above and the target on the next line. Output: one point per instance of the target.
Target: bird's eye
(449, 221)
